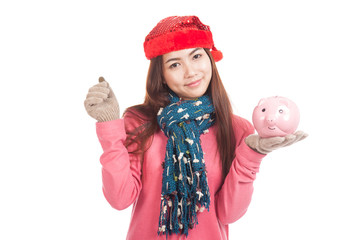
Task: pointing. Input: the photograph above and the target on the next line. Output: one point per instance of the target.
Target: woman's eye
(281, 111)
(196, 56)
(174, 65)
(263, 110)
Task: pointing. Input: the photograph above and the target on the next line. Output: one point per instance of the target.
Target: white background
(51, 52)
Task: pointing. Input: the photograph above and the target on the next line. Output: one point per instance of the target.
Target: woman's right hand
(101, 103)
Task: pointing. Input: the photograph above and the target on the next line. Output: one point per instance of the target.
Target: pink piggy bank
(275, 117)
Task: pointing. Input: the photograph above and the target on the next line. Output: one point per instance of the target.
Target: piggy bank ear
(284, 101)
(261, 101)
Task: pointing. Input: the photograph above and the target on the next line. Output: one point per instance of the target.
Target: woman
(182, 158)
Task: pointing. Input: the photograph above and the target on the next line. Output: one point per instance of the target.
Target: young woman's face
(187, 72)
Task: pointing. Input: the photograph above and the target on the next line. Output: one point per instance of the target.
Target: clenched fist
(101, 103)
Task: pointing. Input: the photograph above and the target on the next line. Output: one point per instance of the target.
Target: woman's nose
(189, 70)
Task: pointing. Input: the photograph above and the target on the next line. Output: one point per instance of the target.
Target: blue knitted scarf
(185, 188)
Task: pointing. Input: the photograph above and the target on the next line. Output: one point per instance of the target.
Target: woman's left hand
(267, 145)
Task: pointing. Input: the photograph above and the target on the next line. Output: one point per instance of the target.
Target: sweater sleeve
(234, 197)
(121, 171)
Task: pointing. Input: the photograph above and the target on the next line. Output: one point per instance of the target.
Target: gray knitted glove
(101, 103)
(267, 145)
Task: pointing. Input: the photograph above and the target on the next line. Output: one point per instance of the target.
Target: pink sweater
(126, 183)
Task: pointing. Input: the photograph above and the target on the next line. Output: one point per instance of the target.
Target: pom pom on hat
(217, 55)
(177, 33)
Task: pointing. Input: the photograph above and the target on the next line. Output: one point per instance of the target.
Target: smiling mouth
(271, 128)
(193, 84)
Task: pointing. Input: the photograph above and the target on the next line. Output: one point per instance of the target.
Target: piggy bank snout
(271, 120)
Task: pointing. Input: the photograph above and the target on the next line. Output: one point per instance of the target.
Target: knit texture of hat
(177, 33)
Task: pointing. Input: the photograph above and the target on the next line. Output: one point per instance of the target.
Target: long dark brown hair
(144, 115)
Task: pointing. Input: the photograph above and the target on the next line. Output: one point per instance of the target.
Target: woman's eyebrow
(172, 59)
(192, 52)
(177, 59)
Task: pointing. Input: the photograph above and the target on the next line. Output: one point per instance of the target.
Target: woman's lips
(193, 84)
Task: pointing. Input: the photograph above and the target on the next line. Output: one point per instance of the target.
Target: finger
(100, 89)
(91, 102)
(272, 143)
(300, 135)
(289, 139)
(293, 138)
(111, 93)
(97, 95)
(303, 137)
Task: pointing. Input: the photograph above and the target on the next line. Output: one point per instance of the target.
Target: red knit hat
(177, 33)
